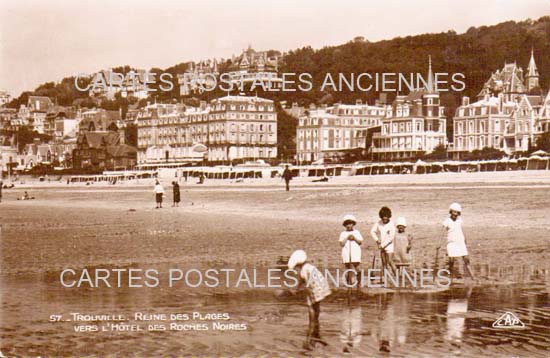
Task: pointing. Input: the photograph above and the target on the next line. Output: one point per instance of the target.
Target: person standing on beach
(383, 232)
(456, 242)
(176, 194)
(350, 240)
(287, 176)
(402, 243)
(159, 192)
(1, 186)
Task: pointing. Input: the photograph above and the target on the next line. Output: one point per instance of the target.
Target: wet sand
(506, 226)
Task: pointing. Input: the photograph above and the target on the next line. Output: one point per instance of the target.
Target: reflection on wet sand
(449, 323)
(393, 321)
(456, 317)
(351, 332)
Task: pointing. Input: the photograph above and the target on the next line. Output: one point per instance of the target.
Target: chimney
(358, 102)
(202, 105)
(465, 101)
(383, 98)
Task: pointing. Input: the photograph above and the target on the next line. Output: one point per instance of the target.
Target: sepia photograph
(300, 178)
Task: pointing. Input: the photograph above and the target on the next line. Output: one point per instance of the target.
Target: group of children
(394, 244)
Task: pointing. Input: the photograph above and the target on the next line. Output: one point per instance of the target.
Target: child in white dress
(456, 242)
(351, 240)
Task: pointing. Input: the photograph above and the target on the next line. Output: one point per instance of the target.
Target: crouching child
(316, 286)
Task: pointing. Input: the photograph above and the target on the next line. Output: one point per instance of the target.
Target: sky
(44, 41)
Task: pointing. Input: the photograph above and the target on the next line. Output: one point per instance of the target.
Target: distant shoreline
(532, 177)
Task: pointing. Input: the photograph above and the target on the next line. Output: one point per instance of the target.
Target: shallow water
(213, 228)
(454, 323)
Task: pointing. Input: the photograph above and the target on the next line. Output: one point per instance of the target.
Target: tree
(286, 133)
(439, 153)
(486, 153)
(543, 142)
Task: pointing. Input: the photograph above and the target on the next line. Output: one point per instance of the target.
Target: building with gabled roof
(4, 97)
(102, 150)
(415, 124)
(98, 120)
(508, 115)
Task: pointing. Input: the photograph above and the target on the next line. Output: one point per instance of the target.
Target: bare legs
(467, 267)
(313, 332)
(350, 275)
(387, 260)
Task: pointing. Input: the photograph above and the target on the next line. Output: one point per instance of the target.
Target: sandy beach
(251, 224)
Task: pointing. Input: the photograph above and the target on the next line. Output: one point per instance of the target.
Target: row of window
(243, 107)
(358, 112)
(370, 122)
(407, 127)
(471, 143)
(471, 127)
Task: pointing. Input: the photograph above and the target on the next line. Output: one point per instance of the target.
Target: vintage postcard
(274, 179)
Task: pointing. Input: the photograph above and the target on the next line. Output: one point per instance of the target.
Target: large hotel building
(227, 129)
(411, 126)
(324, 131)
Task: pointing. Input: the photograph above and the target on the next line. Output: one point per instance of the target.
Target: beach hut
(522, 163)
(436, 167)
(535, 162)
(419, 167)
(451, 166)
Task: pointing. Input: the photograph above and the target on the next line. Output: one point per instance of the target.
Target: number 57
(55, 318)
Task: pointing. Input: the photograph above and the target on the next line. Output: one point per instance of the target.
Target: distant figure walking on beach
(1, 186)
(159, 193)
(287, 176)
(176, 193)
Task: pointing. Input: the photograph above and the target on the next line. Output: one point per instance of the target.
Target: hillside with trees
(476, 53)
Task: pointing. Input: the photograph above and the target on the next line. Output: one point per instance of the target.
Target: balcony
(395, 150)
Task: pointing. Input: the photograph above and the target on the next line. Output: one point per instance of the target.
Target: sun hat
(455, 207)
(349, 217)
(401, 221)
(297, 257)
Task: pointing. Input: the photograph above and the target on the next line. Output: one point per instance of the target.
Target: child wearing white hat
(317, 290)
(402, 243)
(456, 242)
(350, 240)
